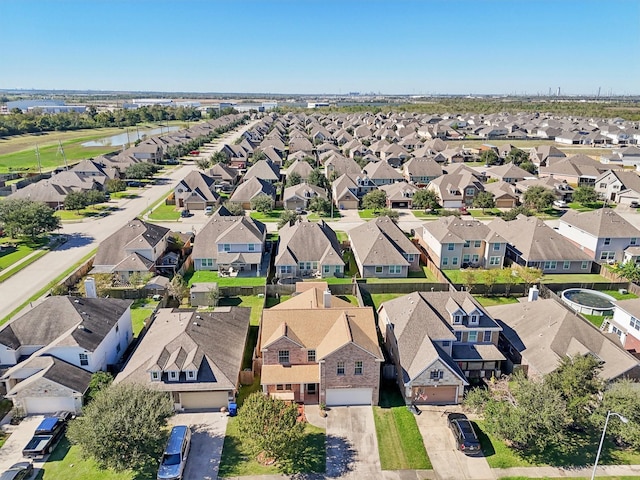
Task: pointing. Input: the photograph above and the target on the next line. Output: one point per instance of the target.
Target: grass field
(164, 213)
(212, 276)
(272, 216)
(140, 311)
(491, 301)
(10, 255)
(77, 215)
(237, 461)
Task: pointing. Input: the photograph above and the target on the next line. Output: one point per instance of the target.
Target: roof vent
(198, 317)
(81, 327)
(196, 324)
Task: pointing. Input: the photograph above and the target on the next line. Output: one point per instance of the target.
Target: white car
(560, 203)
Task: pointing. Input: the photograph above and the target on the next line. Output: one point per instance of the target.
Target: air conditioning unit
(623, 291)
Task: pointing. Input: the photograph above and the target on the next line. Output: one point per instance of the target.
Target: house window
(226, 247)
(445, 261)
(486, 337)
(340, 368)
(338, 269)
(477, 243)
(467, 243)
(436, 374)
(155, 376)
(252, 247)
(283, 356)
(457, 319)
(191, 374)
(311, 355)
(451, 246)
(566, 265)
(496, 247)
(458, 336)
(207, 262)
(378, 269)
(473, 319)
(633, 241)
(358, 368)
(584, 265)
(466, 258)
(607, 255)
(607, 241)
(550, 265)
(470, 192)
(494, 261)
(475, 258)
(84, 359)
(410, 257)
(395, 269)
(314, 265)
(446, 343)
(454, 261)
(603, 185)
(325, 268)
(173, 375)
(472, 336)
(635, 323)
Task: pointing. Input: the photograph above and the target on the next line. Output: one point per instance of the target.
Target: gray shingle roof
(381, 242)
(308, 242)
(603, 222)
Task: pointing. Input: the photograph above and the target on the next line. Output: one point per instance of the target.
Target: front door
(311, 388)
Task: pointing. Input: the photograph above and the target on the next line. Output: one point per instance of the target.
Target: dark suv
(466, 439)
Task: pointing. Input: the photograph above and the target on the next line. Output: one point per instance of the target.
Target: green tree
(213, 297)
(203, 163)
(258, 155)
(294, 179)
(270, 427)
(490, 278)
(517, 157)
(234, 208)
(388, 212)
(469, 279)
(95, 196)
(426, 199)
(124, 427)
(585, 195)
(99, 381)
(319, 205)
(538, 197)
(115, 185)
(178, 288)
(22, 217)
(628, 270)
(140, 170)
(262, 203)
(75, 201)
(219, 157)
(374, 200)
(529, 275)
(484, 200)
(489, 157)
(318, 179)
(287, 217)
(577, 379)
(529, 167)
(514, 212)
(622, 397)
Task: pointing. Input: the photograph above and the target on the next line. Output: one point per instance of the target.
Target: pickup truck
(46, 436)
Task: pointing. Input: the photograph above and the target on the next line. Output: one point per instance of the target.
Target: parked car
(175, 454)
(18, 471)
(466, 439)
(560, 203)
(208, 210)
(634, 204)
(185, 213)
(46, 436)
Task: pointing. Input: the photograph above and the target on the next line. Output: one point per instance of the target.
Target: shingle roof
(252, 188)
(226, 229)
(381, 242)
(603, 222)
(54, 370)
(455, 230)
(308, 242)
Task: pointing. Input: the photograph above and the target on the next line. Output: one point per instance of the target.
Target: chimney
(326, 298)
(533, 293)
(90, 288)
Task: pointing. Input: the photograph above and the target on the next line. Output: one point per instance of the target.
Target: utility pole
(38, 157)
(61, 150)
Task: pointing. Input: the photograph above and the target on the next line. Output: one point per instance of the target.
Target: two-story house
(348, 190)
(381, 173)
(626, 323)
(399, 194)
(308, 249)
(50, 352)
(299, 196)
(421, 170)
(456, 190)
(134, 248)
(602, 234)
(619, 186)
(196, 357)
(230, 243)
(437, 342)
(196, 191)
(382, 250)
(453, 243)
(317, 348)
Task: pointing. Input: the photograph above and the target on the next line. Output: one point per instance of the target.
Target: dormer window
(474, 318)
(173, 376)
(191, 375)
(457, 319)
(155, 376)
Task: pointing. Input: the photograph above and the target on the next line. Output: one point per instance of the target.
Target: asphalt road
(85, 236)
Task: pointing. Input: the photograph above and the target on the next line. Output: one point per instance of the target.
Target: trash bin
(233, 409)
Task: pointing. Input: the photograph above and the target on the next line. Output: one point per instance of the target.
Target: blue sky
(304, 46)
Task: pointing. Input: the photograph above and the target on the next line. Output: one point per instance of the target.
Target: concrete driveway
(352, 446)
(11, 451)
(207, 437)
(447, 460)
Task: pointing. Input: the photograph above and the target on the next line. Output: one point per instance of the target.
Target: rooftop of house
(601, 223)
(381, 242)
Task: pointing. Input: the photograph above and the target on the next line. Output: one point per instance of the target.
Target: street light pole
(604, 431)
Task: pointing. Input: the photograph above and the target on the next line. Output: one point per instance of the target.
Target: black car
(19, 471)
(466, 439)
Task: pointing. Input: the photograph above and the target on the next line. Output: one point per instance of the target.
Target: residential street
(85, 236)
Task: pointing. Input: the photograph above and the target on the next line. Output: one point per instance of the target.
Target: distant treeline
(627, 110)
(16, 122)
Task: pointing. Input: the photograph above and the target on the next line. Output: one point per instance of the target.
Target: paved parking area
(207, 437)
(447, 460)
(11, 451)
(352, 445)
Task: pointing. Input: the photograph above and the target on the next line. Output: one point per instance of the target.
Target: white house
(51, 351)
(626, 323)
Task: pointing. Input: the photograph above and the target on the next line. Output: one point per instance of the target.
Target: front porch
(294, 383)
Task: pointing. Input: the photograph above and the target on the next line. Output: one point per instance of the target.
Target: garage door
(34, 405)
(348, 396)
(435, 395)
(203, 400)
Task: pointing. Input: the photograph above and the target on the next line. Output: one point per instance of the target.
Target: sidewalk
(568, 472)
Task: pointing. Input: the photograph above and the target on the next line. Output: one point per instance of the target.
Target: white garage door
(35, 405)
(348, 396)
(202, 400)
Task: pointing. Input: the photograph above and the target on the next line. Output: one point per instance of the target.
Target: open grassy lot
(164, 213)
(491, 301)
(579, 449)
(400, 443)
(236, 461)
(212, 276)
(67, 462)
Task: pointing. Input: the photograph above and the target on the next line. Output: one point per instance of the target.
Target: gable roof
(545, 331)
(55, 370)
(210, 342)
(252, 188)
(381, 242)
(264, 170)
(456, 230)
(308, 241)
(227, 229)
(603, 222)
(381, 170)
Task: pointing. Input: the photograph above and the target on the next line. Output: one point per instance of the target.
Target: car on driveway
(19, 471)
(466, 439)
(560, 203)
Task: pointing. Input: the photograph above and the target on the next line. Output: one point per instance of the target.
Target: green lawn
(457, 276)
(140, 311)
(550, 213)
(574, 278)
(491, 301)
(488, 213)
(252, 301)
(342, 236)
(351, 268)
(272, 301)
(424, 214)
(578, 449)
(67, 462)
(10, 255)
(620, 296)
(333, 280)
(589, 207)
(315, 217)
(236, 461)
(349, 298)
(378, 299)
(400, 443)
(128, 194)
(91, 211)
(595, 319)
(272, 216)
(164, 212)
(423, 275)
(212, 276)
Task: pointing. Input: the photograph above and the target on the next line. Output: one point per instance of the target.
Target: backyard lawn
(236, 461)
(378, 299)
(491, 301)
(620, 296)
(342, 236)
(252, 301)
(140, 311)
(400, 444)
(423, 275)
(212, 276)
(164, 212)
(574, 278)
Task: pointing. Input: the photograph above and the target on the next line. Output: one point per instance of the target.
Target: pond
(128, 137)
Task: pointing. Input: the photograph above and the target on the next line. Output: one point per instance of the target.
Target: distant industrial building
(45, 106)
